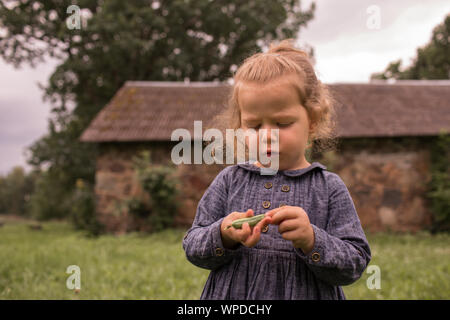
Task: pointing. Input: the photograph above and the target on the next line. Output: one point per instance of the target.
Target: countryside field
(33, 265)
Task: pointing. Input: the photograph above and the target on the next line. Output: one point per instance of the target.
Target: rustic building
(383, 155)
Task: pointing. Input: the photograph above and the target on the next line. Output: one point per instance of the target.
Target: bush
(439, 186)
(15, 190)
(82, 209)
(77, 204)
(49, 200)
(158, 205)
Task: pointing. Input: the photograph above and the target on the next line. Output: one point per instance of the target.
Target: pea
(252, 221)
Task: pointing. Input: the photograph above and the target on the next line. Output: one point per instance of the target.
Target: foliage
(159, 205)
(82, 209)
(48, 201)
(329, 159)
(439, 186)
(432, 60)
(15, 190)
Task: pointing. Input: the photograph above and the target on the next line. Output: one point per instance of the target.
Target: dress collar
(292, 173)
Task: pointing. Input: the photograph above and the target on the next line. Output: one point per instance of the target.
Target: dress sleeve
(202, 243)
(341, 252)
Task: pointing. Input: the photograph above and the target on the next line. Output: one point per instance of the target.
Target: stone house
(383, 156)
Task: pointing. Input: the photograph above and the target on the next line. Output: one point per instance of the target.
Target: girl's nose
(269, 134)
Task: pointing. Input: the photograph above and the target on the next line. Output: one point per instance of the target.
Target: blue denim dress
(274, 268)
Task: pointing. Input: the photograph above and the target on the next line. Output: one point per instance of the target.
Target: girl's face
(276, 106)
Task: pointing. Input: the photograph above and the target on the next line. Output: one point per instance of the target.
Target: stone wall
(386, 178)
(116, 181)
(195, 179)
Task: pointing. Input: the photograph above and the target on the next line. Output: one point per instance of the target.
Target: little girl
(310, 242)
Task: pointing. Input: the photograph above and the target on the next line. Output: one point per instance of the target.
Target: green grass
(33, 265)
(412, 267)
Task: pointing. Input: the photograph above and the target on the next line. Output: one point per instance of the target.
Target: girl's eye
(283, 125)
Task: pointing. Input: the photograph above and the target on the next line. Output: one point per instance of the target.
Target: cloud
(347, 50)
(23, 113)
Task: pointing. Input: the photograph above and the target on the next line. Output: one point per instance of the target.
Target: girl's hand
(248, 236)
(293, 224)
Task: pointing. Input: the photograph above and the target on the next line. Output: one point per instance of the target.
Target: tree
(15, 190)
(432, 60)
(166, 40)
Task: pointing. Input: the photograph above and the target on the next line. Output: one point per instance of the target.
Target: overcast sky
(348, 46)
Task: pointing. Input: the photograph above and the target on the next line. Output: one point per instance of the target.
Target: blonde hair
(283, 60)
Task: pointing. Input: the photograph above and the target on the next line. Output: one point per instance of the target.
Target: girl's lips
(270, 154)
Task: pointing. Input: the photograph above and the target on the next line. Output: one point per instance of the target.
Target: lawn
(33, 265)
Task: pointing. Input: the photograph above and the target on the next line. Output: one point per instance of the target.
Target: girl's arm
(203, 242)
(341, 252)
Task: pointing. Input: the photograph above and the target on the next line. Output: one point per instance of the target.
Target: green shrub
(82, 209)
(158, 205)
(15, 190)
(49, 200)
(439, 186)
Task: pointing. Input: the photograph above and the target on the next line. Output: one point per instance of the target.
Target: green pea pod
(252, 221)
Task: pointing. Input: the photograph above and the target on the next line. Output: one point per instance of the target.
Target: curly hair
(284, 61)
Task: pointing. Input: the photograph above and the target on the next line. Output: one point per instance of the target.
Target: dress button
(265, 228)
(315, 256)
(268, 185)
(266, 204)
(285, 188)
(219, 252)
(282, 204)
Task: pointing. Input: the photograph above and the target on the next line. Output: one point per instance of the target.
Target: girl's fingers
(238, 215)
(264, 222)
(249, 213)
(245, 214)
(272, 212)
(254, 237)
(287, 225)
(283, 215)
(250, 236)
(245, 232)
(289, 235)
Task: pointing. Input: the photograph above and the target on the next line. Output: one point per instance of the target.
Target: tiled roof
(144, 111)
